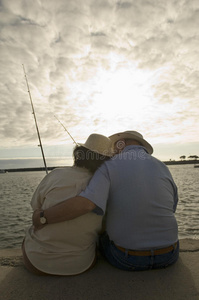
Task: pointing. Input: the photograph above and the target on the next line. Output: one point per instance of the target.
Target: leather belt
(148, 252)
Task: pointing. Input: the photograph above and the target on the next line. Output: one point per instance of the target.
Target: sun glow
(123, 92)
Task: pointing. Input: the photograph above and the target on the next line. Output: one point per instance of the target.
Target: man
(140, 197)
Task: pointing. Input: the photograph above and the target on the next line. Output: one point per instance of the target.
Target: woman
(66, 248)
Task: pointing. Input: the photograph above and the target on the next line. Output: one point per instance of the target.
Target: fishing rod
(33, 111)
(66, 130)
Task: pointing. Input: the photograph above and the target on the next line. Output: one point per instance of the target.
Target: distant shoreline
(182, 162)
(170, 162)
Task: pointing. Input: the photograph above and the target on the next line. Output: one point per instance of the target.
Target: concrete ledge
(180, 281)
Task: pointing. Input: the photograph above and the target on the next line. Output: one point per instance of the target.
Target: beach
(177, 282)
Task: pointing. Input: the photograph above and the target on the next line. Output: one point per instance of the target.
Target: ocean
(16, 190)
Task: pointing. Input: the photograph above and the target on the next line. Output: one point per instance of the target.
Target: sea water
(187, 214)
(16, 190)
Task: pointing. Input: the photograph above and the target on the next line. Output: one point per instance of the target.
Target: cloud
(98, 33)
(124, 5)
(74, 51)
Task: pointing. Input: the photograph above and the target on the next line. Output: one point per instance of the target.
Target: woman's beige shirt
(65, 248)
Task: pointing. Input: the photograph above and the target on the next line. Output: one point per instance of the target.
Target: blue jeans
(127, 262)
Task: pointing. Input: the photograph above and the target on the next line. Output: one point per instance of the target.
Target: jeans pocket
(165, 260)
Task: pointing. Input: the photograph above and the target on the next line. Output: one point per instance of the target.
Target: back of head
(131, 135)
(85, 158)
(93, 152)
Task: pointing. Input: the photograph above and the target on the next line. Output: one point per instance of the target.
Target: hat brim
(124, 135)
(109, 154)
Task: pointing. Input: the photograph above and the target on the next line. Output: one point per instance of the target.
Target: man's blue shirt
(140, 196)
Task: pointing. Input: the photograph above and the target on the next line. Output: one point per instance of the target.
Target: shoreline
(171, 162)
(179, 281)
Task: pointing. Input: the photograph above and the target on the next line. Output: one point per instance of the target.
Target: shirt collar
(134, 147)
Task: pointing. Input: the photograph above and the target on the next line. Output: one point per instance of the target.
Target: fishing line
(66, 130)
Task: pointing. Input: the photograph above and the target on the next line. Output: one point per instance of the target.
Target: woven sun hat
(98, 143)
(134, 135)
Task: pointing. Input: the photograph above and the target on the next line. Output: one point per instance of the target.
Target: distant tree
(194, 156)
(182, 157)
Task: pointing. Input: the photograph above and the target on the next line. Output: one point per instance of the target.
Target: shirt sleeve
(175, 199)
(42, 189)
(39, 194)
(97, 190)
(175, 191)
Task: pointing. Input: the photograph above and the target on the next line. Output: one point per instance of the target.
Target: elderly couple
(133, 191)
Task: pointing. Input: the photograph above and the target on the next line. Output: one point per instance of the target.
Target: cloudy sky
(101, 66)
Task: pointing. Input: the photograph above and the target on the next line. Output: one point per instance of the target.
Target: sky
(99, 66)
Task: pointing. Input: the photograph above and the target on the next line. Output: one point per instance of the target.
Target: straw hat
(98, 143)
(134, 135)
